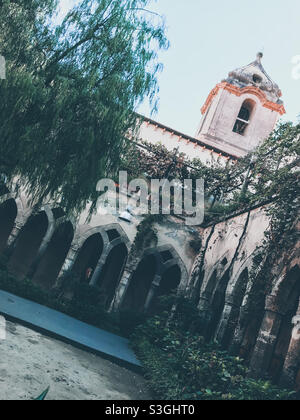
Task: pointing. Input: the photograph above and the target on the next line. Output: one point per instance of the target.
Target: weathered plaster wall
(156, 134)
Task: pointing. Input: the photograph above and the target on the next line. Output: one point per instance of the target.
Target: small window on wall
(243, 118)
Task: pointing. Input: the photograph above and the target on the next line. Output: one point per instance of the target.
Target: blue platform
(68, 329)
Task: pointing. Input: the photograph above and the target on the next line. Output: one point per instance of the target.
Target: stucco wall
(221, 117)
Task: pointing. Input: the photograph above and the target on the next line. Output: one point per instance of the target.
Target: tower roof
(255, 75)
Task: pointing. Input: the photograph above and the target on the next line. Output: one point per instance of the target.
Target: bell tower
(241, 111)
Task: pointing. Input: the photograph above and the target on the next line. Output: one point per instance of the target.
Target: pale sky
(211, 38)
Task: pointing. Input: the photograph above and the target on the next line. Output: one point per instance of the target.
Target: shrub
(129, 321)
(180, 365)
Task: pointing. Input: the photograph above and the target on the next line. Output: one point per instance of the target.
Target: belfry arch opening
(244, 117)
(55, 255)
(140, 285)
(27, 244)
(8, 214)
(88, 257)
(110, 276)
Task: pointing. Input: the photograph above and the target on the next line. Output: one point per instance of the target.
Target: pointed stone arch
(146, 278)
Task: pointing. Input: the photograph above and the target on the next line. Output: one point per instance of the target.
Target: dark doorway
(8, 214)
(55, 255)
(140, 284)
(111, 274)
(217, 305)
(88, 257)
(28, 244)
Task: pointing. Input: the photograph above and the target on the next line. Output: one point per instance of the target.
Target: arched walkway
(27, 244)
(8, 214)
(55, 255)
(88, 257)
(111, 274)
(140, 284)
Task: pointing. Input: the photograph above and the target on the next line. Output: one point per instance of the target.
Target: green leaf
(43, 395)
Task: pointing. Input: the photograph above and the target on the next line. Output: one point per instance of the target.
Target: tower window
(257, 78)
(243, 118)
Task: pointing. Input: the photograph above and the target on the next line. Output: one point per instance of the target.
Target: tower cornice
(253, 90)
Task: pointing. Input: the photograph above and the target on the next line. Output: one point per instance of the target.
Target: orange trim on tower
(211, 96)
(241, 91)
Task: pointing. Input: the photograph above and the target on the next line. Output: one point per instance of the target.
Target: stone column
(227, 325)
(264, 349)
(14, 234)
(205, 313)
(130, 267)
(98, 269)
(41, 252)
(121, 289)
(69, 261)
(292, 361)
(152, 292)
(67, 266)
(239, 332)
(12, 241)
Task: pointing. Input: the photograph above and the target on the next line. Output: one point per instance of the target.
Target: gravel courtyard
(30, 362)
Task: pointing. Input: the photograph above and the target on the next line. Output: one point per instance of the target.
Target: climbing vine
(259, 178)
(268, 177)
(146, 235)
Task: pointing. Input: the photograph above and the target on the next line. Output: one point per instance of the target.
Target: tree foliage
(71, 91)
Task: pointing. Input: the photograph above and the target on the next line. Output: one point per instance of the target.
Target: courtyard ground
(30, 362)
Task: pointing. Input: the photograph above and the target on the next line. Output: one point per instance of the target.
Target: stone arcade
(43, 244)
